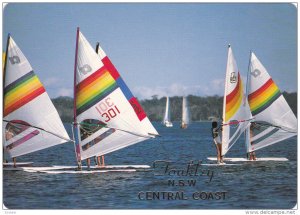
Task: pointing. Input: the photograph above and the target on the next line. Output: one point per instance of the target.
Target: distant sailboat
(185, 113)
(235, 106)
(275, 119)
(107, 117)
(30, 120)
(167, 118)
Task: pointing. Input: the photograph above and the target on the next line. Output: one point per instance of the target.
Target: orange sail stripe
(90, 79)
(256, 101)
(233, 101)
(96, 85)
(230, 96)
(261, 89)
(22, 92)
(234, 109)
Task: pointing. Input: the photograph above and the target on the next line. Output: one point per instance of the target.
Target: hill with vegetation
(201, 108)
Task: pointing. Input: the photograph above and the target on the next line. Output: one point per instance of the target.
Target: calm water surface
(253, 185)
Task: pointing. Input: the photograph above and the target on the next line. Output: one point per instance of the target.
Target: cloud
(214, 87)
(217, 86)
(65, 92)
(176, 89)
(52, 81)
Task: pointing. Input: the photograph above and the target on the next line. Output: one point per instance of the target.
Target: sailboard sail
(235, 105)
(167, 118)
(275, 121)
(185, 113)
(107, 117)
(30, 120)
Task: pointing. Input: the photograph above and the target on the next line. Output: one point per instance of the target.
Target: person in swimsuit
(215, 131)
(253, 126)
(9, 133)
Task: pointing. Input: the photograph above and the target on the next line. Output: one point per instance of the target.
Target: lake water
(252, 185)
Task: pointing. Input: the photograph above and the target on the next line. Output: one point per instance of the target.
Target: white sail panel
(185, 111)
(116, 130)
(110, 118)
(275, 119)
(144, 120)
(167, 117)
(235, 105)
(31, 122)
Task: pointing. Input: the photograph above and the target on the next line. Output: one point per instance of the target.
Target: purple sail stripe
(22, 140)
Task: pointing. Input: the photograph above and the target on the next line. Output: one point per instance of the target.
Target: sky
(164, 49)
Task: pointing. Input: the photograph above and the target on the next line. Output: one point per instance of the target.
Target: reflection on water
(253, 185)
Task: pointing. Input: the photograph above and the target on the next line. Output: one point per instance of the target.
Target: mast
(4, 69)
(75, 65)
(247, 131)
(3, 83)
(76, 143)
(224, 98)
(248, 75)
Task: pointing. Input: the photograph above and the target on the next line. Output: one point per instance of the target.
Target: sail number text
(107, 109)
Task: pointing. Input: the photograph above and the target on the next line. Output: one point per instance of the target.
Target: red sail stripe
(234, 92)
(111, 68)
(137, 108)
(91, 78)
(24, 100)
(261, 89)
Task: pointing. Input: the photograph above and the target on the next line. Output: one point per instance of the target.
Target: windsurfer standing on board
(8, 135)
(215, 132)
(253, 126)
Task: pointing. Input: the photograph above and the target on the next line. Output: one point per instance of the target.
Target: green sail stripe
(266, 104)
(20, 85)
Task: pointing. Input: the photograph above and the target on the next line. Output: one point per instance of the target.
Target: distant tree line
(201, 108)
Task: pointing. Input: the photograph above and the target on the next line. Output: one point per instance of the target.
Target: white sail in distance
(107, 115)
(275, 121)
(167, 117)
(30, 120)
(185, 113)
(235, 105)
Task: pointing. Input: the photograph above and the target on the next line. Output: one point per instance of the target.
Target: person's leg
(103, 163)
(15, 162)
(218, 153)
(218, 156)
(98, 161)
(220, 149)
(88, 161)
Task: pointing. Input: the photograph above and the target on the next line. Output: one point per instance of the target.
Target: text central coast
(181, 195)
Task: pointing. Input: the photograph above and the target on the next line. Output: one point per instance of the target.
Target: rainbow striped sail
(263, 97)
(275, 119)
(107, 115)
(30, 121)
(234, 99)
(93, 89)
(235, 105)
(21, 91)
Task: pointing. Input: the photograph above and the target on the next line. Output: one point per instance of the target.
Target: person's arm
(220, 128)
(256, 126)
